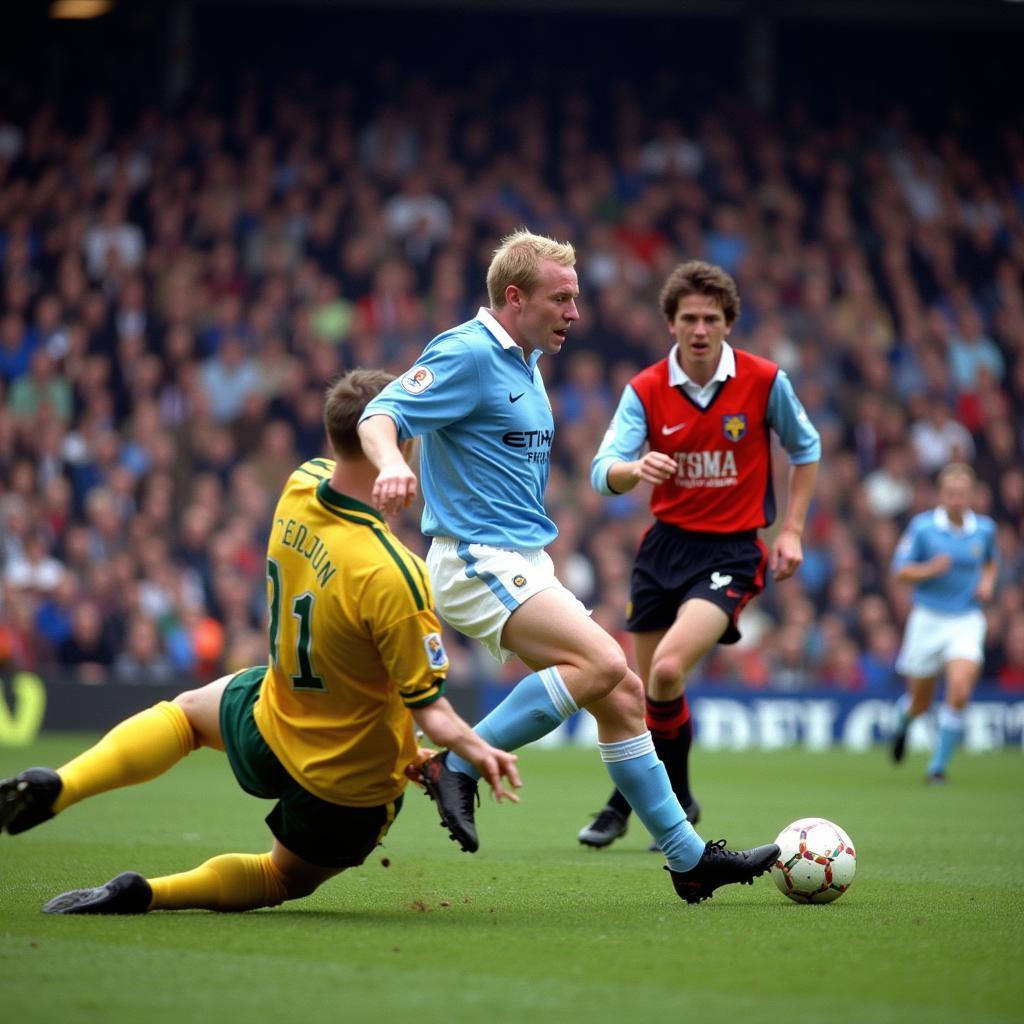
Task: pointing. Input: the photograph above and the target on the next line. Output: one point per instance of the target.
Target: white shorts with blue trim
(933, 638)
(477, 587)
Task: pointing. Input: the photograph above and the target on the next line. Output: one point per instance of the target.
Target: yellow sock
(232, 881)
(139, 748)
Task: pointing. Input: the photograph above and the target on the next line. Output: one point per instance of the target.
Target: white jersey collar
(726, 368)
(943, 523)
(504, 339)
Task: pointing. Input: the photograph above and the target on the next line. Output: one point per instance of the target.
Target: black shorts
(330, 835)
(674, 565)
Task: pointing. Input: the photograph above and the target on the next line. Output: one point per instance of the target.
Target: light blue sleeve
(991, 549)
(452, 390)
(910, 547)
(623, 440)
(788, 418)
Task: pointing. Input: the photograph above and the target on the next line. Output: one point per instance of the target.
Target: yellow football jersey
(354, 643)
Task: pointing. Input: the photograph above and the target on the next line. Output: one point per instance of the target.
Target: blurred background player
(326, 729)
(477, 397)
(705, 413)
(949, 555)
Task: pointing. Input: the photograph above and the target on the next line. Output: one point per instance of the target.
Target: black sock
(672, 730)
(619, 803)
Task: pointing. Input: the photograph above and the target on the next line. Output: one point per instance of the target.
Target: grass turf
(534, 927)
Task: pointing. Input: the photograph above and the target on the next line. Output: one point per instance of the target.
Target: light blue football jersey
(971, 548)
(486, 425)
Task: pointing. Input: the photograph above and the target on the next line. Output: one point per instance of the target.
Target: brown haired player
(705, 414)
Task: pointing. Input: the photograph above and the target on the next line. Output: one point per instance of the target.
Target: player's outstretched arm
(395, 486)
(445, 728)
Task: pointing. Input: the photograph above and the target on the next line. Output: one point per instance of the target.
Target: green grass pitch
(534, 928)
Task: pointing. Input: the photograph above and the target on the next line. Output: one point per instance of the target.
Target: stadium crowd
(179, 286)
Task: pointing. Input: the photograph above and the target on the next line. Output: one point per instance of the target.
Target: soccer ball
(816, 862)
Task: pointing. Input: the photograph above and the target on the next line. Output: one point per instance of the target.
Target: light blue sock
(951, 728)
(537, 704)
(641, 778)
(905, 717)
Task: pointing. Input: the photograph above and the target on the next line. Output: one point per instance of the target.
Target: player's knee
(186, 701)
(191, 704)
(630, 691)
(667, 674)
(607, 669)
(624, 706)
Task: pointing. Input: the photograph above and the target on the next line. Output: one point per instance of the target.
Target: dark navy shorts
(674, 565)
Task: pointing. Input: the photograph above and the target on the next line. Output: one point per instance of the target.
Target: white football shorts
(477, 587)
(933, 638)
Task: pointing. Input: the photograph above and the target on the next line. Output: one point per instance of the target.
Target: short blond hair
(517, 261)
(957, 471)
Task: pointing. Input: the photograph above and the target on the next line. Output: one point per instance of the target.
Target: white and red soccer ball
(817, 861)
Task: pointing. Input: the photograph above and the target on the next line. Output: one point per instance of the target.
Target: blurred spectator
(143, 661)
(970, 352)
(41, 388)
(938, 439)
(1010, 674)
(87, 654)
(229, 377)
(888, 488)
(113, 244)
(34, 569)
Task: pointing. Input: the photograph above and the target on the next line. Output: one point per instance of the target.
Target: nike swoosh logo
(732, 593)
(515, 398)
(671, 430)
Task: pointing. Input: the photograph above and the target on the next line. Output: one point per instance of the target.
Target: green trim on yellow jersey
(335, 500)
(309, 472)
(335, 503)
(413, 700)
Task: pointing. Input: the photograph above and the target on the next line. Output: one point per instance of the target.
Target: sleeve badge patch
(437, 656)
(417, 380)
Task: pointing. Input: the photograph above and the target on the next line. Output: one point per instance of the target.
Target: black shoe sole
(128, 893)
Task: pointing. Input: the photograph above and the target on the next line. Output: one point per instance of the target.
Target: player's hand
(394, 488)
(494, 765)
(655, 468)
(786, 556)
(414, 768)
(983, 592)
(940, 563)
